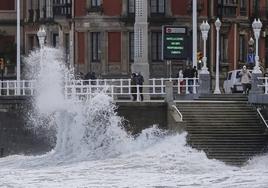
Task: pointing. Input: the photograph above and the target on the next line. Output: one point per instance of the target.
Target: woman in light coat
(245, 79)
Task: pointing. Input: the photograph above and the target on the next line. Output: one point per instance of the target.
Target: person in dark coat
(93, 78)
(140, 81)
(133, 83)
(189, 73)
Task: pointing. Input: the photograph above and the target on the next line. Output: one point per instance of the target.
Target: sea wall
(17, 138)
(141, 115)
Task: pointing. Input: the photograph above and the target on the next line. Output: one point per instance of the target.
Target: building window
(242, 48)
(156, 46)
(243, 7)
(256, 8)
(227, 8)
(62, 8)
(223, 49)
(131, 6)
(157, 6)
(114, 47)
(131, 47)
(95, 46)
(95, 3)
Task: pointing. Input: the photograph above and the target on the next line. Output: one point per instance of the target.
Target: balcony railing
(60, 10)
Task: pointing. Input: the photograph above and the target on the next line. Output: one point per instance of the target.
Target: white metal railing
(114, 87)
(180, 85)
(177, 110)
(264, 121)
(264, 84)
(86, 92)
(17, 88)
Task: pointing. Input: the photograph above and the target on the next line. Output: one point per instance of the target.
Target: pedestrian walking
(245, 79)
(188, 73)
(133, 83)
(140, 81)
(180, 80)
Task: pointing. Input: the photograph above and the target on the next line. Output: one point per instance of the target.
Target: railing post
(186, 85)
(169, 92)
(194, 86)
(23, 87)
(162, 85)
(153, 85)
(266, 86)
(113, 92)
(179, 86)
(1, 84)
(138, 93)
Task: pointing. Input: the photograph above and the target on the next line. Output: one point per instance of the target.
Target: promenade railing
(17, 88)
(117, 88)
(264, 84)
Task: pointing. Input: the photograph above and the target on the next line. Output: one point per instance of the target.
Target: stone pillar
(255, 90)
(204, 84)
(254, 84)
(169, 92)
(124, 54)
(141, 42)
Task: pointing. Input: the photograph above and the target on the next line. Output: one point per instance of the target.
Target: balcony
(95, 9)
(62, 10)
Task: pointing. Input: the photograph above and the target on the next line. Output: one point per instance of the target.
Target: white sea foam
(93, 150)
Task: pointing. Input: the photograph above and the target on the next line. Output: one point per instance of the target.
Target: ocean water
(92, 149)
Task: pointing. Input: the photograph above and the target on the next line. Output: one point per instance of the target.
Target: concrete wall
(143, 115)
(14, 137)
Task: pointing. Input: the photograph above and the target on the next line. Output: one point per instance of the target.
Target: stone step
(225, 124)
(227, 130)
(223, 120)
(227, 146)
(223, 96)
(224, 131)
(234, 149)
(199, 115)
(218, 109)
(222, 99)
(214, 105)
(222, 128)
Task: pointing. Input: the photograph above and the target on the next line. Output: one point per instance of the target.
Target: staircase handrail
(177, 110)
(259, 112)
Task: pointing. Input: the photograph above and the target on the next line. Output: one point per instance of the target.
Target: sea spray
(80, 130)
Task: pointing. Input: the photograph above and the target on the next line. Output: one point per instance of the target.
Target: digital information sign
(174, 42)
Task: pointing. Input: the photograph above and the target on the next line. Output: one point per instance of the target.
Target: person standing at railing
(188, 73)
(140, 81)
(245, 79)
(133, 83)
(2, 67)
(180, 80)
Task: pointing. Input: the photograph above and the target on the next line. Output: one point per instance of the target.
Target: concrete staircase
(225, 127)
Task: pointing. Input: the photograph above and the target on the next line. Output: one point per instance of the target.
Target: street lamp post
(204, 27)
(257, 25)
(217, 88)
(41, 34)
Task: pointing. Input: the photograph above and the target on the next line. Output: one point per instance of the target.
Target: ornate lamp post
(257, 25)
(41, 34)
(204, 27)
(217, 88)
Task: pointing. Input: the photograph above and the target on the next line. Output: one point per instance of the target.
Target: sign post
(174, 43)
